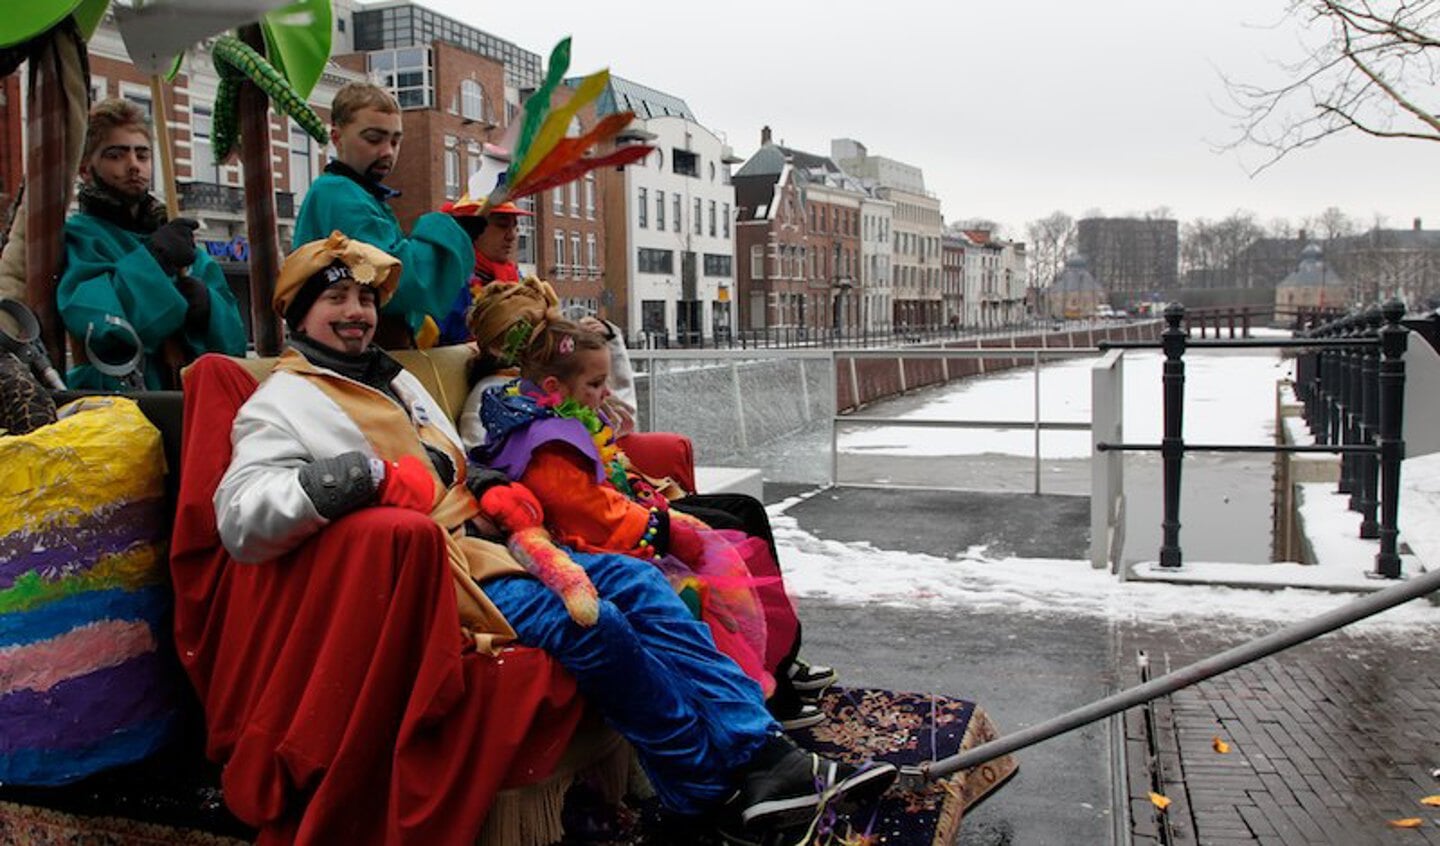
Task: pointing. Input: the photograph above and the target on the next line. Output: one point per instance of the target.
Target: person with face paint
(125, 262)
(340, 427)
(350, 197)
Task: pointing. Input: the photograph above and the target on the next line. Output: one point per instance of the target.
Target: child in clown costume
(548, 430)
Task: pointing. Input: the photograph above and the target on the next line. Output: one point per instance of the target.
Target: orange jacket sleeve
(579, 511)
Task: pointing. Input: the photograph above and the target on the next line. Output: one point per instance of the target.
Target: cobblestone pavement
(1329, 741)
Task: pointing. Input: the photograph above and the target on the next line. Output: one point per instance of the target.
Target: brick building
(798, 241)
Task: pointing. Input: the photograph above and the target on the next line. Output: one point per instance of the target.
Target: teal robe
(435, 259)
(109, 271)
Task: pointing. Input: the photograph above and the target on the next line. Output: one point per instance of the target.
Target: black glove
(197, 302)
(173, 245)
(480, 479)
(339, 485)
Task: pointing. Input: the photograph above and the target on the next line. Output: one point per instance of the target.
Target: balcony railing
(208, 196)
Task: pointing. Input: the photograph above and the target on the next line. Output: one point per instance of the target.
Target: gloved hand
(197, 302)
(513, 507)
(336, 486)
(173, 244)
(407, 483)
(685, 542)
(537, 553)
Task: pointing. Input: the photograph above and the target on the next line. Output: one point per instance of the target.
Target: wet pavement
(1329, 741)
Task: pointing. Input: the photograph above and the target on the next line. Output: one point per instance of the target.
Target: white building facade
(678, 246)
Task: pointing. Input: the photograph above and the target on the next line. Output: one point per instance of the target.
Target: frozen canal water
(1225, 498)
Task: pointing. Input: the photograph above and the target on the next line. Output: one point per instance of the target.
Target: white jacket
(260, 508)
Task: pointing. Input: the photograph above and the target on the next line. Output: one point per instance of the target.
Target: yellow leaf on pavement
(1432, 801)
(1220, 746)
(1408, 822)
(1159, 801)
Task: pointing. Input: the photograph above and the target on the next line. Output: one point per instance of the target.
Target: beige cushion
(440, 369)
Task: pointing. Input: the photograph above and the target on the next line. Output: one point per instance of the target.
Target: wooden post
(261, 222)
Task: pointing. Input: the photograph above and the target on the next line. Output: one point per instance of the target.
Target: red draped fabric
(339, 693)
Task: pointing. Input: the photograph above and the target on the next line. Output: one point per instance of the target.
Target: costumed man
(340, 428)
(129, 273)
(350, 197)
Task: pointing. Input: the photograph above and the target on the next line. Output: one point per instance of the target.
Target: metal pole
(1186, 676)
(1393, 338)
(1345, 407)
(1370, 424)
(1035, 356)
(1172, 445)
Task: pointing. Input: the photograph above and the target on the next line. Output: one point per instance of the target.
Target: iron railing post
(1369, 466)
(1393, 339)
(1172, 446)
(1344, 405)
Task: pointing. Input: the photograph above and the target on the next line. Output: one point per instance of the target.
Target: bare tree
(1049, 242)
(1373, 70)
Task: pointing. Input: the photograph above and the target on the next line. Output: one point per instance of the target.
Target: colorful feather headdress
(540, 156)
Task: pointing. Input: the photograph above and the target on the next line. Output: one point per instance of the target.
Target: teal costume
(110, 272)
(436, 259)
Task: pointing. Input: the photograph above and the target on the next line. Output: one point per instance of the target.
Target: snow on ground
(860, 574)
(1230, 398)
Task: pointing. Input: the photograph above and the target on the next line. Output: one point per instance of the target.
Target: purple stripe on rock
(58, 551)
(82, 710)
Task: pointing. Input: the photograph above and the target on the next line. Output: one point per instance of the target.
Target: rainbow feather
(542, 157)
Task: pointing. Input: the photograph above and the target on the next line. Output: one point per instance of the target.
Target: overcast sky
(1013, 110)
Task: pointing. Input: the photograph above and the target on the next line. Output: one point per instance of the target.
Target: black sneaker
(810, 679)
(790, 792)
(803, 717)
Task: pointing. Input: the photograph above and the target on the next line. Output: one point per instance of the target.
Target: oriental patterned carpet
(903, 728)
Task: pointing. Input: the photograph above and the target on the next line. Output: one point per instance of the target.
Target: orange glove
(408, 483)
(512, 507)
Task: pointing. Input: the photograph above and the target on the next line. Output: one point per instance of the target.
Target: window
(472, 100)
(557, 199)
(712, 218)
(590, 251)
(559, 251)
(140, 97)
(712, 171)
(406, 74)
(652, 317)
(452, 169)
(717, 265)
(575, 253)
(675, 224)
(590, 196)
(302, 169)
(685, 163)
(574, 199)
(699, 219)
(757, 261)
(527, 231)
(660, 210)
(202, 156)
(725, 221)
(643, 206)
(656, 261)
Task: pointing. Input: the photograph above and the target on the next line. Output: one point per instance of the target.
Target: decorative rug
(905, 729)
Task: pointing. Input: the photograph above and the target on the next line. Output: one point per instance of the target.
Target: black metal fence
(1350, 375)
(829, 337)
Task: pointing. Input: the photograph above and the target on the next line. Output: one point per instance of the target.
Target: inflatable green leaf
(297, 42)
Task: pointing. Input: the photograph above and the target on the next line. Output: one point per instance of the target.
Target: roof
(1076, 278)
(1313, 272)
(622, 95)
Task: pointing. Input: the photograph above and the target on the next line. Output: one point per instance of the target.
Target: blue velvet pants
(654, 673)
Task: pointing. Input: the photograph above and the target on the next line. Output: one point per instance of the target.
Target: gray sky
(1014, 110)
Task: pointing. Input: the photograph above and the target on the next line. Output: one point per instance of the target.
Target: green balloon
(21, 24)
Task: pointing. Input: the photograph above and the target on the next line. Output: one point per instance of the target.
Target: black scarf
(141, 216)
(376, 190)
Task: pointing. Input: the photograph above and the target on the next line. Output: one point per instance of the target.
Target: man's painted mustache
(362, 325)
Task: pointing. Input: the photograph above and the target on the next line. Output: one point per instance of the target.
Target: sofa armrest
(662, 454)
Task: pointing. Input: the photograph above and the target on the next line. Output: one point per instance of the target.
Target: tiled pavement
(1329, 741)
